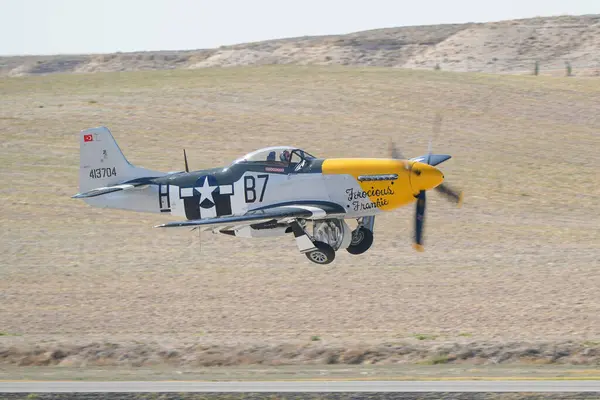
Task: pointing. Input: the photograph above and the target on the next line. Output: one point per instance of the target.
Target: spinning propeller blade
(419, 220)
(394, 152)
(449, 193)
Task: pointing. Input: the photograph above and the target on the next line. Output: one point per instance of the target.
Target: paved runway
(301, 386)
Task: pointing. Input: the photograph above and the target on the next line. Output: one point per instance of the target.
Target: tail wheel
(362, 239)
(324, 254)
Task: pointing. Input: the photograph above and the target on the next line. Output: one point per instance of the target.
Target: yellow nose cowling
(424, 177)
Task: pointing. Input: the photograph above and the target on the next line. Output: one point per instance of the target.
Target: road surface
(300, 386)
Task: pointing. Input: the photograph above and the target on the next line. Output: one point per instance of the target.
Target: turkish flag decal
(88, 138)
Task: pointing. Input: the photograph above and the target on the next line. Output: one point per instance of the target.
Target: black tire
(362, 239)
(323, 255)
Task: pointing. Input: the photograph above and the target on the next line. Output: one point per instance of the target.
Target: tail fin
(102, 163)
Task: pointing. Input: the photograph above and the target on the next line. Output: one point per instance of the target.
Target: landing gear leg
(315, 250)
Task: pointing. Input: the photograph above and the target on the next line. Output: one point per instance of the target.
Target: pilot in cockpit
(285, 156)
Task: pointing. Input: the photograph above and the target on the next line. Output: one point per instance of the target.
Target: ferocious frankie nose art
(269, 192)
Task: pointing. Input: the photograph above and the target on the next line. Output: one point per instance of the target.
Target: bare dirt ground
(512, 276)
(512, 46)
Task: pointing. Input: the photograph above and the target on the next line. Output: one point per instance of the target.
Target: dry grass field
(513, 275)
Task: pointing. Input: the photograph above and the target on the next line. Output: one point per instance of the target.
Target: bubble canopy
(276, 154)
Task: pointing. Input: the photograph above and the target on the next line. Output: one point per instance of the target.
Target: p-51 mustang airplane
(269, 192)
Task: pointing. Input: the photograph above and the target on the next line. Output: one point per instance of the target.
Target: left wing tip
(170, 225)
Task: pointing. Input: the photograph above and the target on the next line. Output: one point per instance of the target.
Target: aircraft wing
(278, 213)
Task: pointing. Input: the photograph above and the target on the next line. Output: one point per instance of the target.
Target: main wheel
(362, 239)
(324, 254)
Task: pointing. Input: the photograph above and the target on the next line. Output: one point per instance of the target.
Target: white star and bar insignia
(206, 191)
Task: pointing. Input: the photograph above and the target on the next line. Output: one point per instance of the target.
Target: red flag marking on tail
(88, 138)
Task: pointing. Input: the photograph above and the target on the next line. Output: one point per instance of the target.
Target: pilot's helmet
(285, 155)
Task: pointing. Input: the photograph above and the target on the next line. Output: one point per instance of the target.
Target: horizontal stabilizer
(434, 159)
(105, 190)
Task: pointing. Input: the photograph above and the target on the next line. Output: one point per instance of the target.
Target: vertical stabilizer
(102, 163)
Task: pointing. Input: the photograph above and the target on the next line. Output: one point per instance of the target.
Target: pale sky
(105, 26)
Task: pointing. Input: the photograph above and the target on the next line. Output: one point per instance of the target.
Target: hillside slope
(504, 47)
